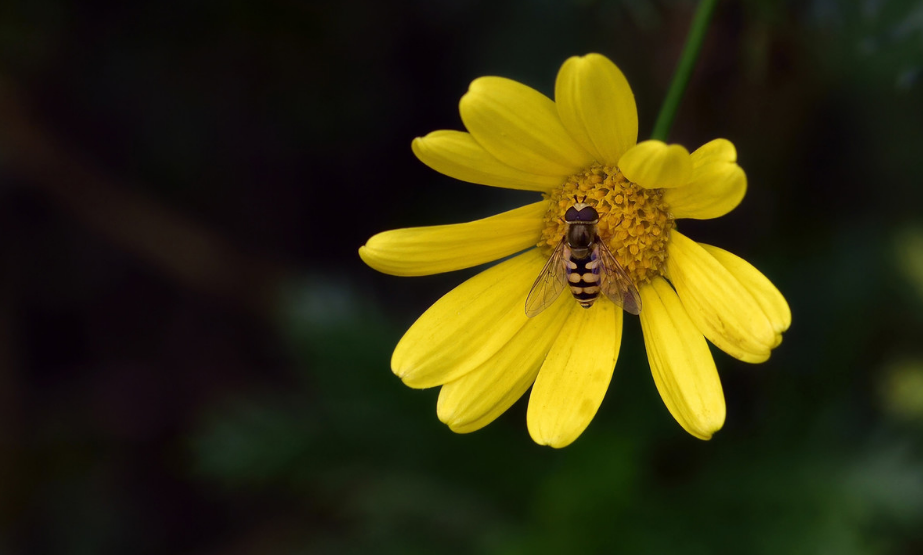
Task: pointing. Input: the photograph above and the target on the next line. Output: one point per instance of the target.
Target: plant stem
(684, 69)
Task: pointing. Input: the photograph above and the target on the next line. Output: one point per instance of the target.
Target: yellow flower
(477, 342)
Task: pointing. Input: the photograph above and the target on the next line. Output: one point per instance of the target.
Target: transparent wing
(549, 284)
(615, 283)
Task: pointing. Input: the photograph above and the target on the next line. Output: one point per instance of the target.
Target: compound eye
(587, 214)
(572, 215)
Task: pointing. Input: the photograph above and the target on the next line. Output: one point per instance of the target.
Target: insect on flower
(606, 225)
(583, 261)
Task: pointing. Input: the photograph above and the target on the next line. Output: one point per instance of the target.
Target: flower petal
(468, 325)
(456, 154)
(717, 150)
(597, 106)
(575, 376)
(480, 396)
(718, 184)
(520, 127)
(767, 296)
(657, 165)
(420, 251)
(681, 363)
(721, 307)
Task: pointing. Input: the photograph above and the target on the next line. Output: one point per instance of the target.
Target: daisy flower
(477, 342)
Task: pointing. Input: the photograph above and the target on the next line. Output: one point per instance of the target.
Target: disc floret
(634, 222)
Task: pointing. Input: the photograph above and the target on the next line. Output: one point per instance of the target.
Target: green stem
(684, 70)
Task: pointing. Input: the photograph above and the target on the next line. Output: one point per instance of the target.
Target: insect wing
(549, 284)
(615, 283)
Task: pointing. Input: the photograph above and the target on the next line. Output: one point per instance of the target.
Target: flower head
(477, 341)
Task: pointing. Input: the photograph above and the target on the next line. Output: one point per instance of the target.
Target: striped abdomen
(583, 277)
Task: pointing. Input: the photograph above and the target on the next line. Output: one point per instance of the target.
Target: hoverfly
(583, 261)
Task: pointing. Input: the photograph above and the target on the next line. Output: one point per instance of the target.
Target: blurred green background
(193, 360)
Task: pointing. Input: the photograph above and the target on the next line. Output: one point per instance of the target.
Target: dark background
(193, 360)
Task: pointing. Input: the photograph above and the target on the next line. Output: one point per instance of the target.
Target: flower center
(634, 222)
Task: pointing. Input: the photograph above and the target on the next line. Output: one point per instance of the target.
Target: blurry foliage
(902, 390)
(908, 257)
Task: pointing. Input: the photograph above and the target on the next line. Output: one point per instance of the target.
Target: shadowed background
(193, 359)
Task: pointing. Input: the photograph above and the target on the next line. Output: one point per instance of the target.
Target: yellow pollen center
(634, 222)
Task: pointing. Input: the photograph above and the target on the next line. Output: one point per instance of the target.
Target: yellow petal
(456, 154)
(681, 363)
(520, 127)
(420, 251)
(767, 296)
(719, 305)
(575, 376)
(480, 396)
(718, 184)
(597, 106)
(717, 150)
(468, 325)
(657, 165)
